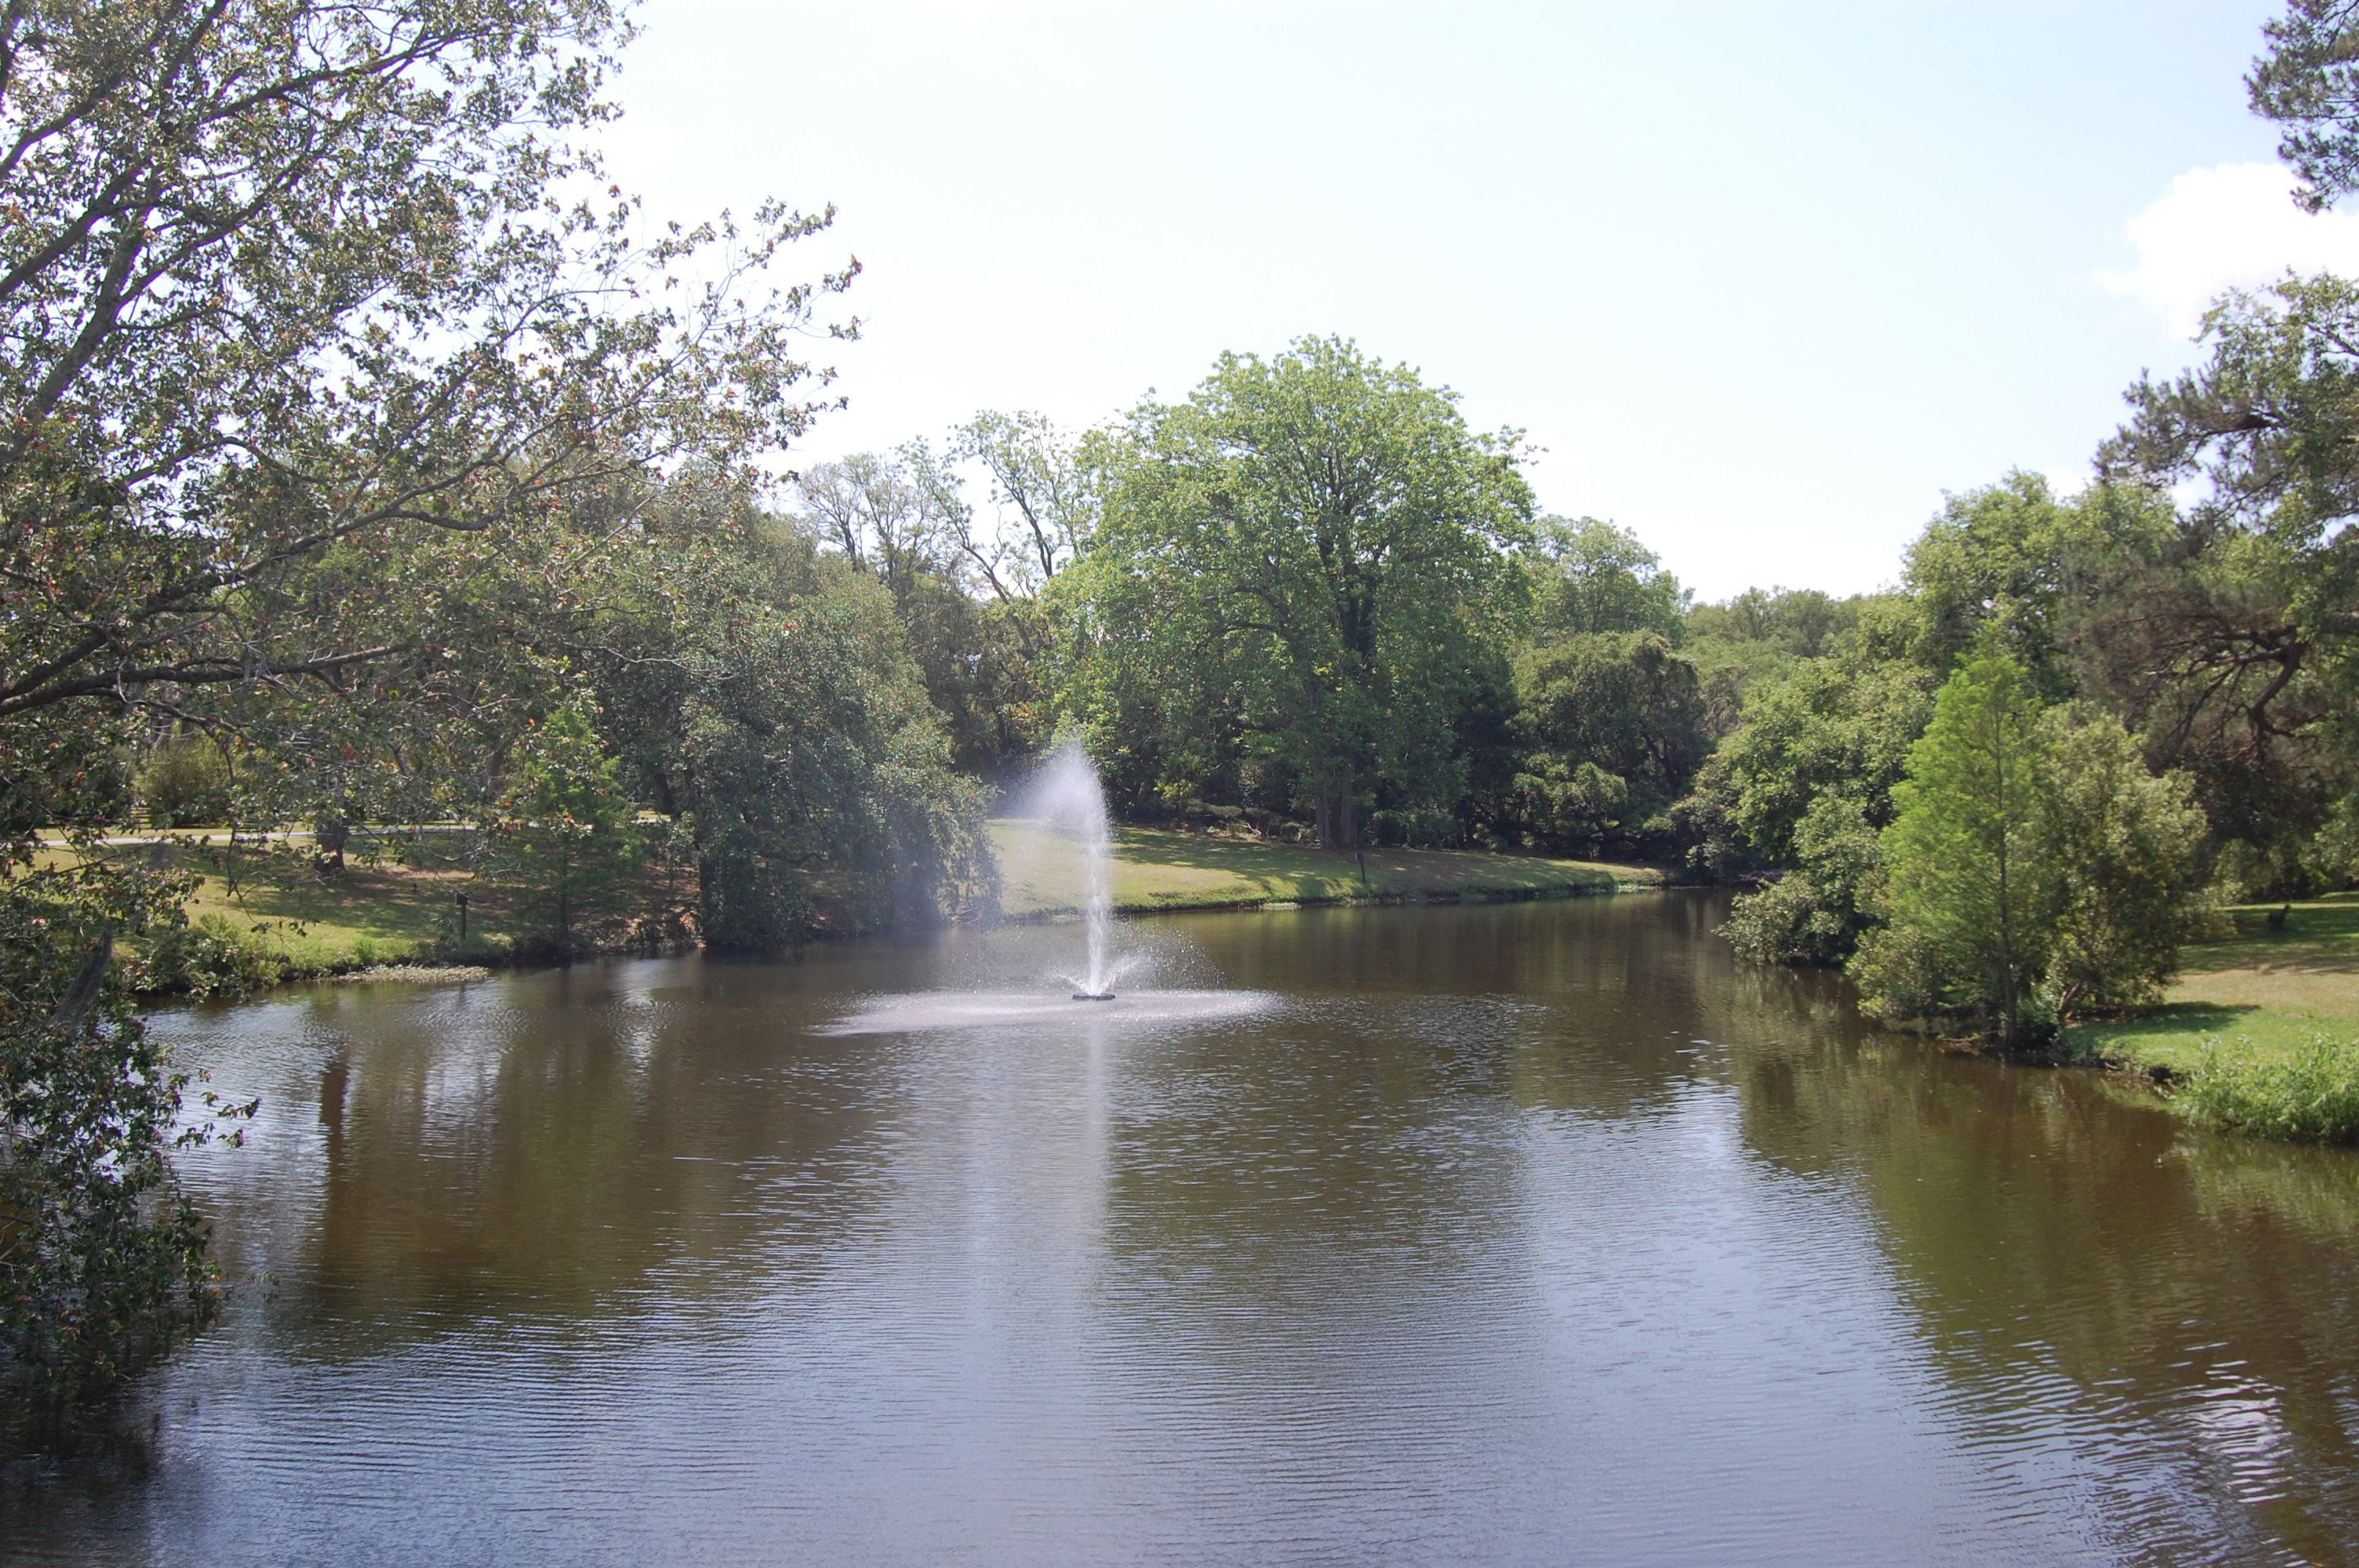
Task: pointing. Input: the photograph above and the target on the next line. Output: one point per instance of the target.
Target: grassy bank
(290, 924)
(2261, 1030)
(2264, 992)
(287, 924)
(1155, 870)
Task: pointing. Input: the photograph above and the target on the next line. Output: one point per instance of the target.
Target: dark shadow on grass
(2175, 1017)
(1241, 857)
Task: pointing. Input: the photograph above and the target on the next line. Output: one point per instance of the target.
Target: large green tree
(761, 694)
(284, 281)
(1296, 559)
(2229, 645)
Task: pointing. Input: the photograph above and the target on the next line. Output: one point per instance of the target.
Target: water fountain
(1066, 798)
(1069, 797)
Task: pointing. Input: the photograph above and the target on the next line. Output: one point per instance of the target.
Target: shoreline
(387, 924)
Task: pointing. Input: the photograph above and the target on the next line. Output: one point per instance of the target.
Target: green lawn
(381, 915)
(2259, 992)
(1154, 869)
(370, 914)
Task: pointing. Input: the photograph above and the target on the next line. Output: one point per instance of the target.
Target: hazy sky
(1764, 281)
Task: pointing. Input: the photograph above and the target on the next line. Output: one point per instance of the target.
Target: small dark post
(460, 900)
(1364, 870)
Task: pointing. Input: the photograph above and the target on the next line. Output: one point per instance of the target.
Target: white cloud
(2233, 226)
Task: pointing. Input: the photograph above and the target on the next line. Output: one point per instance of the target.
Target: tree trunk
(2006, 923)
(329, 837)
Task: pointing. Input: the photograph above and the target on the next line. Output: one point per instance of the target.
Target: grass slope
(369, 916)
(1040, 872)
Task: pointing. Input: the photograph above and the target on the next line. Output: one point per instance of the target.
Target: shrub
(209, 958)
(186, 783)
(1815, 912)
(101, 1258)
(2311, 1096)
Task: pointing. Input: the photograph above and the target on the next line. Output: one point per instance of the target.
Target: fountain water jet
(1068, 797)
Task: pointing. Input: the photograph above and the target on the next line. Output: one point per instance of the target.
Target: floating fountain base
(1094, 996)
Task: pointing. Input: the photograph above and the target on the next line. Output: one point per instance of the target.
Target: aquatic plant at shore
(2311, 1095)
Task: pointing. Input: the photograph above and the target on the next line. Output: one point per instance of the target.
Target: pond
(1492, 1234)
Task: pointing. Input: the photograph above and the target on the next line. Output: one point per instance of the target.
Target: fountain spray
(1070, 797)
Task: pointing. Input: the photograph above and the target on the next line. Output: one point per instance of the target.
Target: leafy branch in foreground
(279, 273)
(101, 1258)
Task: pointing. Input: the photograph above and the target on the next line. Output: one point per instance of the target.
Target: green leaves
(2309, 83)
(1300, 554)
(1623, 706)
(2124, 847)
(288, 301)
(567, 842)
(102, 1261)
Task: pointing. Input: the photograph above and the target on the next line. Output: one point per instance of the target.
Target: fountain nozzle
(1094, 996)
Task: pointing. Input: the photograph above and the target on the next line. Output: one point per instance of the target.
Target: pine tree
(1972, 893)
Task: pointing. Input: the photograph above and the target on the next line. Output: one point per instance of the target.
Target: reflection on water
(1534, 1233)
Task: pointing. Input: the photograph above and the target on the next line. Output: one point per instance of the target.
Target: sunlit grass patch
(2260, 1033)
(1156, 869)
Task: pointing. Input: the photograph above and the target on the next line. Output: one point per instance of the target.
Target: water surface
(1528, 1233)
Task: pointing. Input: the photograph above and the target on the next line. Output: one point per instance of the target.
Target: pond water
(1523, 1233)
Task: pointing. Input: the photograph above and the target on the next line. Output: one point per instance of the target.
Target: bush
(1791, 921)
(1815, 912)
(1410, 829)
(2310, 1096)
(486, 952)
(186, 783)
(209, 959)
(1899, 976)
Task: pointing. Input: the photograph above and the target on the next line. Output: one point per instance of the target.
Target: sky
(1766, 283)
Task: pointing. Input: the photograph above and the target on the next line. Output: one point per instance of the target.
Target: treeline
(2005, 791)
